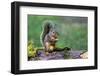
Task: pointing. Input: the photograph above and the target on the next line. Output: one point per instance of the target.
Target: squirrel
(49, 37)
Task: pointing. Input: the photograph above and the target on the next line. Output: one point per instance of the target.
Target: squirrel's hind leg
(47, 48)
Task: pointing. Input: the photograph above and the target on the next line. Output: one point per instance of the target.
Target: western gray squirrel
(49, 36)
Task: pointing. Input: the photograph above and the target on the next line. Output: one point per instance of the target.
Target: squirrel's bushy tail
(47, 25)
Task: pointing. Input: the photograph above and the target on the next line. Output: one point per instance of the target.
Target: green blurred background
(72, 30)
